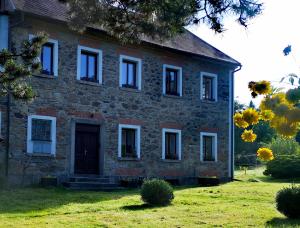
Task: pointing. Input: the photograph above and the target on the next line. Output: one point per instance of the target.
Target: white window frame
(179, 69)
(53, 133)
(139, 69)
(178, 140)
(215, 152)
(55, 54)
(215, 85)
(99, 54)
(137, 139)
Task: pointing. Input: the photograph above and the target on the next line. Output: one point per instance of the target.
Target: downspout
(232, 125)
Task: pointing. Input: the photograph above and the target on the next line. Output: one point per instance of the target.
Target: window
(208, 86)
(172, 80)
(208, 146)
(89, 64)
(129, 141)
(49, 57)
(171, 144)
(130, 72)
(41, 135)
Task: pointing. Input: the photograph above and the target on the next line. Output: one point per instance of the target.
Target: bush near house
(157, 192)
(288, 202)
(284, 167)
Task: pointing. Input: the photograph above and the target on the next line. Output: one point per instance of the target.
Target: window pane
(124, 73)
(129, 143)
(208, 88)
(41, 130)
(83, 66)
(171, 146)
(171, 82)
(92, 67)
(47, 59)
(131, 74)
(208, 148)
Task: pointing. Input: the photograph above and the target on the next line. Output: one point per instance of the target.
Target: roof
(186, 42)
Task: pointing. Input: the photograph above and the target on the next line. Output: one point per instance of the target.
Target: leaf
(292, 80)
(282, 79)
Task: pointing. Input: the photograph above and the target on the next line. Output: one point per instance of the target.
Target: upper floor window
(129, 141)
(208, 146)
(208, 86)
(41, 134)
(172, 80)
(130, 72)
(171, 144)
(89, 64)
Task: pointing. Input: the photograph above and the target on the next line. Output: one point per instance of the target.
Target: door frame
(74, 122)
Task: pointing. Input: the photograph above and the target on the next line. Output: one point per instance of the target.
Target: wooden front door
(87, 149)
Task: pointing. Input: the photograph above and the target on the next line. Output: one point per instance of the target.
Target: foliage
(130, 20)
(287, 166)
(265, 154)
(283, 146)
(16, 67)
(288, 202)
(157, 192)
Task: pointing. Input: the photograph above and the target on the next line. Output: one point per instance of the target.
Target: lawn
(237, 204)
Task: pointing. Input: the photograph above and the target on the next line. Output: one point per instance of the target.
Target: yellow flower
(281, 109)
(293, 115)
(284, 127)
(266, 115)
(271, 102)
(265, 154)
(239, 121)
(251, 116)
(263, 87)
(249, 136)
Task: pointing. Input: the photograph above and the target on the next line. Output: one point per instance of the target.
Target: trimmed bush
(284, 167)
(288, 202)
(157, 192)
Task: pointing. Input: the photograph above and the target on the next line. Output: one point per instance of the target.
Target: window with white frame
(208, 146)
(129, 141)
(49, 57)
(41, 135)
(172, 80)
(130, 72)
(171, 144)
(89, 64)
(209, 86)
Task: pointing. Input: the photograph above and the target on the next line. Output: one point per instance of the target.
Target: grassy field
(248, 202)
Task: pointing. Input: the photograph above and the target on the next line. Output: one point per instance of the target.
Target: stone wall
(70, 100)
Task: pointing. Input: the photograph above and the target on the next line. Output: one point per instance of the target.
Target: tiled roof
(187, 42)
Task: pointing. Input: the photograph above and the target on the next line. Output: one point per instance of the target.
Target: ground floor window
(129, 141)
(171, 144)
(41, 134)
(208, 146)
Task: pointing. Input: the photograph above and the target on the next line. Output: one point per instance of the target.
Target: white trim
(231, 126)
(215, 135)
(99, 64)
(137, 140)
(55, 53)
(168, 130)
(53, 132)
(215, 84)
(165, 67)
(139, 69)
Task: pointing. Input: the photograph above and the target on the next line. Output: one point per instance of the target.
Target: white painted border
(168, 130)
(139, 69)
(215, 84)
(53, 132)
(55, 54)
(165, 66)
(215, 135)
(93, 50)
(137, 139)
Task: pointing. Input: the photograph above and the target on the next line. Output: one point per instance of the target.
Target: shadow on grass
(283, 222)
(140, 207)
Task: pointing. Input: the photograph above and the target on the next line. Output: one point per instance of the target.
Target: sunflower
(265, 154)
(281, 109)
(266, 115)
(248, 136)
(284, 127)
(263, 87)
(271, 102)
(239, 121)
(293, 115)
(251, 116)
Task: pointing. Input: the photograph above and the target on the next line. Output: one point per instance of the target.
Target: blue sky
(259, 47)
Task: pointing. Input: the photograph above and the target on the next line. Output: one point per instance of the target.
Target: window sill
(89, 83)
(209, 162)
(209, 101)
(172, 96)
(45, 76)
(41, 155)
(130, 89)
(170, 161)
(129, 159)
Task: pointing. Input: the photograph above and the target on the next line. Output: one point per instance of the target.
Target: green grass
(248, 202)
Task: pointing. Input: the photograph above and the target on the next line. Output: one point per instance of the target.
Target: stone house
(156, 109)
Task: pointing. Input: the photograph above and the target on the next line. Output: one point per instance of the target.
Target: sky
(260, 46)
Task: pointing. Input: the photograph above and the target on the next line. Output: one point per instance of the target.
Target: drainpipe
(233, 126)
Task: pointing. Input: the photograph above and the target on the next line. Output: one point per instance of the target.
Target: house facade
(155, 109)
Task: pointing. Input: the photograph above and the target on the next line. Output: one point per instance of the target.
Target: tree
(130, 20)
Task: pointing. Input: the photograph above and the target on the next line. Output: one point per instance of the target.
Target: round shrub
(288, 202)
(157, 192)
